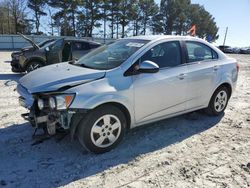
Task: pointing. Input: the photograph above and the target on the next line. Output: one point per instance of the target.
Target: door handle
(182, 76)
(216, 67)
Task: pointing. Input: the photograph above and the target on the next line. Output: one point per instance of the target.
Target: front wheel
(218, 102)
(33, 65)
(102, 129)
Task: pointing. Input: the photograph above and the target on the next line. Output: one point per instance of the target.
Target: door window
(80, 46)
(57, 45)
(92, 45)
(167, 54)
(199, 52)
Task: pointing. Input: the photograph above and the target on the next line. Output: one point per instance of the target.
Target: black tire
(212, 108)
(87, 137)
(33, 65)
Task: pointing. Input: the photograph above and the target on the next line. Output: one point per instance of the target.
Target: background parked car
(56, 51)
(245, 50)
(15, 55)
(229, 49)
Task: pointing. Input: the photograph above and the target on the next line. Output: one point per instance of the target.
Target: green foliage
(89, 18)
(65, 17)
(205, 23)
(177, 16)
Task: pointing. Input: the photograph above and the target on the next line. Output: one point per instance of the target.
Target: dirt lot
(187, 151)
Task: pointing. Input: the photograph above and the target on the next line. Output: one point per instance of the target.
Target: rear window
(199, 52)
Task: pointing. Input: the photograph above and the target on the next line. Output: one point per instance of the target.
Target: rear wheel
(33, 65)
(218, 102)
(102, 129)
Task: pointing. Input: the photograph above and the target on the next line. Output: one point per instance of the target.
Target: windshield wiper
(83, 65)
(72, 61)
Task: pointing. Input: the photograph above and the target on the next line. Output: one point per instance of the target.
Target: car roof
(159, 37)
(82, 40)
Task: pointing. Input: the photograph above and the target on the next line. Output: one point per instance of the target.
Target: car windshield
(111, 56)
(49, 44)
(43, 43)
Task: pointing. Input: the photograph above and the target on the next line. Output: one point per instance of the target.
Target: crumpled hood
(30, 41)
(54, 77)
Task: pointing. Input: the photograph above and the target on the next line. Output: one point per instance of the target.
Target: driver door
(54, 53)
(157, 95)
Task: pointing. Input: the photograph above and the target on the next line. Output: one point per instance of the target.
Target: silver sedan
(131, 82)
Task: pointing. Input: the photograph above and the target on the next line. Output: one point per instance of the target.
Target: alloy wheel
(105, 131)
(220, 101)
(33, 66)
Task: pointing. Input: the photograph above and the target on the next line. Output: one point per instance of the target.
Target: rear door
(54, 52)
(202, 69)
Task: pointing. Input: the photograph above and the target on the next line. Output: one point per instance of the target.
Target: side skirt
(167, 116)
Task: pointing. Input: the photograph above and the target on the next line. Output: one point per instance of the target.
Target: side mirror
(148, 67)
(47, 49)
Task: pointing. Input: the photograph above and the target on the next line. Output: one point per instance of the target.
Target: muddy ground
(186, 151)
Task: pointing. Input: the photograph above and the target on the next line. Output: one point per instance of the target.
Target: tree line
(105, 18)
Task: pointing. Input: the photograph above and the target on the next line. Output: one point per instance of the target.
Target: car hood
(28, 48)
(30, 41)
(59, 76)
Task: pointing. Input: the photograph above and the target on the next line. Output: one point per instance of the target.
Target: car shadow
(54, 163)
(10, 79)
(9, 76)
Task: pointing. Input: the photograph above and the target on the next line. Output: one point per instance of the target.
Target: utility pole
(105, 17)
(225, 37)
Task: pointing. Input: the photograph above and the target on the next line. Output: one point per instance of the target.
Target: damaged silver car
(126, 84)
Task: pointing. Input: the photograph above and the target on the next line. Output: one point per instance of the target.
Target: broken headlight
(61, 102)
(40, 104)
(52, 102)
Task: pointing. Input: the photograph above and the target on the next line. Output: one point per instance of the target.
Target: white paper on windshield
(135, 44)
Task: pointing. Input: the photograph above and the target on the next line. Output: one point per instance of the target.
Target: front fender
(39, 59)
(93, 94)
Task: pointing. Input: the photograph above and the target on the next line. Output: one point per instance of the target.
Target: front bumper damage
(51, 121)
(15, 66)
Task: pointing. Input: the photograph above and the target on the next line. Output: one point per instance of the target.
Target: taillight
(238, 67)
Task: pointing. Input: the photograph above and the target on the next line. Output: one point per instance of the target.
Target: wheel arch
(227, 85)
(210, 110)
(76, 121)
(122, 108)
(38, 59)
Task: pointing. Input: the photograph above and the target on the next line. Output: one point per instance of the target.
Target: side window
(80, 46)
(167, 54)
(92, 45)
(199, 52)
(85, 46)
(57, 45)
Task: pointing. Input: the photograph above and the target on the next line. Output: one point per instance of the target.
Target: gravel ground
(186, 151)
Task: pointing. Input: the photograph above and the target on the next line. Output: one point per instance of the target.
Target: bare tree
(37, 6)
(17, 10)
